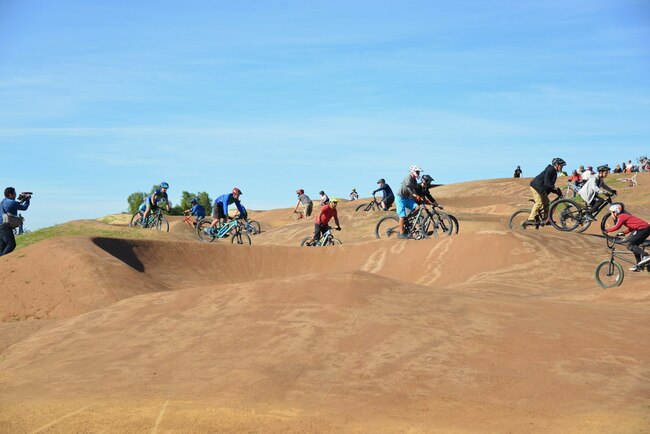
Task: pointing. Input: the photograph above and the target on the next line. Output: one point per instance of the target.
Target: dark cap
(381, 180)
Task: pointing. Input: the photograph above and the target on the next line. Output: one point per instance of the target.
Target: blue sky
(100, 99)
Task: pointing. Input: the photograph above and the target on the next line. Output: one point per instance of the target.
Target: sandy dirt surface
(489, 330)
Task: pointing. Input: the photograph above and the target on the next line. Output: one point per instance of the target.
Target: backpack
(8, 219)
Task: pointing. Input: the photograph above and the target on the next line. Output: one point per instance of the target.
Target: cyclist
(640, 231)
(306, 202)
(387, 194)
(354, 195)
(197, 209)
(594, 185)
(541, 186)
(324, 199)
(151, 202)
(220, 207)
(423, 193)
(586, 174)
(405, 201)
(321, 223)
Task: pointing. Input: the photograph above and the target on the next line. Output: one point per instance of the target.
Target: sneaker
(403, 237)
(644, 260)
(635, 269)
(529, 223)
(590, 218)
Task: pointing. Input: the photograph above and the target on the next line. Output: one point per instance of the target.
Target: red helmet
(300, 191)
(236, 191)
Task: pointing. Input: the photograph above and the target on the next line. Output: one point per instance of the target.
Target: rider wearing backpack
(11, 206)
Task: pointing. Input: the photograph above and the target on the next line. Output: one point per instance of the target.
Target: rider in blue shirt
(11, 206)
(151, 202)
(387, 192)
(220, 207)
(197, 209)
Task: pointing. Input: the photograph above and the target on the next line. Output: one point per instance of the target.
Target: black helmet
(381, 181)
(604, 168)
(427, 179)
(321, 192)
(559, 161)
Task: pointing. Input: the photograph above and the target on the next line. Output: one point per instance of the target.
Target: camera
(25, 195)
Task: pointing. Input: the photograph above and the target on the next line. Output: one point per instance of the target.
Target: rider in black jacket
(541, 186)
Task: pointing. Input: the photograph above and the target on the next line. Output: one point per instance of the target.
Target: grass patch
(83, 229)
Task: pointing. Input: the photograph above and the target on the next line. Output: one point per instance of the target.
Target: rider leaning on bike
(405, 201)
(151, 202)
(423, 193)
(220, 207)
(640, 231)
(594, 185)
(541, 186)
(322, 220)
(388, 197)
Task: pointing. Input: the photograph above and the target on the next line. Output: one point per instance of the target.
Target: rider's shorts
(143, 207)
(403, 204)
(217, 211)
(308, 209)
(389, 200)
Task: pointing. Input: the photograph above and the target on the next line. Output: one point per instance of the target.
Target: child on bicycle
(324, 199)
(220, 207)
(151, 202)
(196, 210)
(305, 201)
(387, 194)
(594, 185)
(640, 231)
(541, 186)
(322, 220)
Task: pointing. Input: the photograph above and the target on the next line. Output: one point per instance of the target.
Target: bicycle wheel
(566, 215)
(442, 224)
(253, 227)
(517, 220)
(609, 274)
(204, 231)
(387, 227)
(360, 207)
(240, 237)
(335, 242)
(162, 224)
(305, 242)
(456, 224)
(136, 219)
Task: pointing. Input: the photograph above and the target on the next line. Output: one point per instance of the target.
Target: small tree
(204, 199)
(135, 200)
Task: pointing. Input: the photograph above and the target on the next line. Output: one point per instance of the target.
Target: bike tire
(162, 224)
(387, 227)
(456, 224)
(305, 241)
(609, 274)
(443, 224)
(203, 232)
(516, 222)
(566, 215)
(136, 219)
(363, 205)
(240, 238)
(335, 242)
(254, 227)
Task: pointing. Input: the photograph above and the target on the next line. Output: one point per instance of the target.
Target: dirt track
(488, 330)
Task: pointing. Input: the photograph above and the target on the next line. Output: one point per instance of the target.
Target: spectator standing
(518, 172)
(618, 169)
(11, 206)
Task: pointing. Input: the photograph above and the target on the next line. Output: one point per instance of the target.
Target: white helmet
(616, 207)
(415, 170)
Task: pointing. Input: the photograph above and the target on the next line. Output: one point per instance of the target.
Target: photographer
(9, 205)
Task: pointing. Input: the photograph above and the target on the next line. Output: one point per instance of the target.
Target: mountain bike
(609, 273)
(155, 220)
(518, 220)
(571, 190)
(388, 227)
(232, 229)
(327, 239)
(567, 215)
(437, 222)
(374, 205)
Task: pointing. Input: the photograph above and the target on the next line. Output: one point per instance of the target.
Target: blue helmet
(194, 200)
(164, 185)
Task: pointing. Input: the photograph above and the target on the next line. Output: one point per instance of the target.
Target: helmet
(164, 185)
(590, 168)
(604, 168)
(414, 170)
(381, 181)
(427, 179)
(236, 191)
(354, 189)
(559, 161)
(321, 192)
(334, 200)
(300, 191)
(194, 200)
(616, 207)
